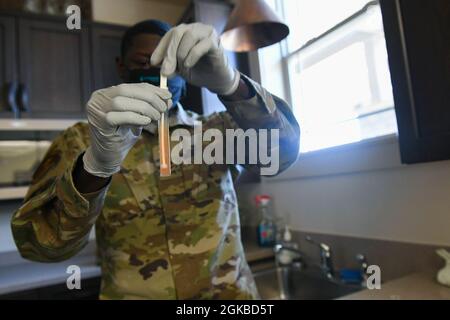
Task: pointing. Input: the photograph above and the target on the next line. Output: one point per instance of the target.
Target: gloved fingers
(187, 43)
(198, 51)
(165, 52)
(177, 44)
(160, 51)
(127, 118)
(124, 130)
(146, 89)
(136, 131)
(157, 97)
(169, 65)
(151, 111)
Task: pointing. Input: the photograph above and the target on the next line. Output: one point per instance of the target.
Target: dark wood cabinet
(418, 42)
(7, 50)
(48, 71)
(55, 70)
(105, 44)
(54, 67)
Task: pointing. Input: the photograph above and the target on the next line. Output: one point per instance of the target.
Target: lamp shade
(252, 25)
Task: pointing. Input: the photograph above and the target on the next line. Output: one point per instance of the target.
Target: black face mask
(176, 85)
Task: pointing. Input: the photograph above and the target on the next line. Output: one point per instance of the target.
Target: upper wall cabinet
(54, 68)
(418, 43)
(48, 71)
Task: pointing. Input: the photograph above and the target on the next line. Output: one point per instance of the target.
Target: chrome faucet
(363, 265)
(326, 261)
(284, 270)
(362, 262)
(280, 247)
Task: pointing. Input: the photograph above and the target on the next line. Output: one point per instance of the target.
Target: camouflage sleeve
(54, 222)
(266, 111)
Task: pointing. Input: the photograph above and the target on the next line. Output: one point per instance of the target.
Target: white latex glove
(194, 52)
(116, 116)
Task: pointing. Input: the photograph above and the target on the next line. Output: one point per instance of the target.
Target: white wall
(391, 202)
(129, 12)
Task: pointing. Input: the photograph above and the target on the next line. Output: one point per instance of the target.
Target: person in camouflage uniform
(175, 237)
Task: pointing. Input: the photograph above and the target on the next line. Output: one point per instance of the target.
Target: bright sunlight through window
(337, 71)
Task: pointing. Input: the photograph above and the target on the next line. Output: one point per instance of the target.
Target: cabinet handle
(23, 98)
(9, 98)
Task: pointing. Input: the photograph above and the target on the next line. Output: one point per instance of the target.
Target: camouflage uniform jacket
(158, 238)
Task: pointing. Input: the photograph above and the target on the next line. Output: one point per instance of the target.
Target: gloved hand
(116, 116)
(194, 52)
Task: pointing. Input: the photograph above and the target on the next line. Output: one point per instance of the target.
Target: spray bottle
(266, 228)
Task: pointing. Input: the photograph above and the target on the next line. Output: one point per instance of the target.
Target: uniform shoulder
(79, 130)
(216, 119)
(73, 138)
(220, 119)
(80, 126)
(213, 118)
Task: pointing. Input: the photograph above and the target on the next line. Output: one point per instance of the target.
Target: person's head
(138, 44)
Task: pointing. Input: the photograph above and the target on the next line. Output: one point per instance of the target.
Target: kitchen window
(334, 71)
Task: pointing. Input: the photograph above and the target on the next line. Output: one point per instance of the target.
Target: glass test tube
(164, 138)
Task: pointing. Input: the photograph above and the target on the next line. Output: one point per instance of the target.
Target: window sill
(370, 155)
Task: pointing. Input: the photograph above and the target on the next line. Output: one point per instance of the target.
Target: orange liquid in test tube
(164, 138)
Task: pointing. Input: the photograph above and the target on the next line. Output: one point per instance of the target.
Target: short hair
(157, 27)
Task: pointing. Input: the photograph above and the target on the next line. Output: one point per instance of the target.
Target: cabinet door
(418, 43)
(106, 40)
(8, 62)
(54, 67)
(90, 290)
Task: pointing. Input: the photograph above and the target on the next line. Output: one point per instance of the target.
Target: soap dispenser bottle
(286, 257)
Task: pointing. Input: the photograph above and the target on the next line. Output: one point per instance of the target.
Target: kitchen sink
(288, 283)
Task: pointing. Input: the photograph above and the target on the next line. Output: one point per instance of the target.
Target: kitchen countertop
(417, 286)
(253, 252)
(29, 275)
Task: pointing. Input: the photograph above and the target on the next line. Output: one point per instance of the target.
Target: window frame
(331, 48)
(373, 154)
